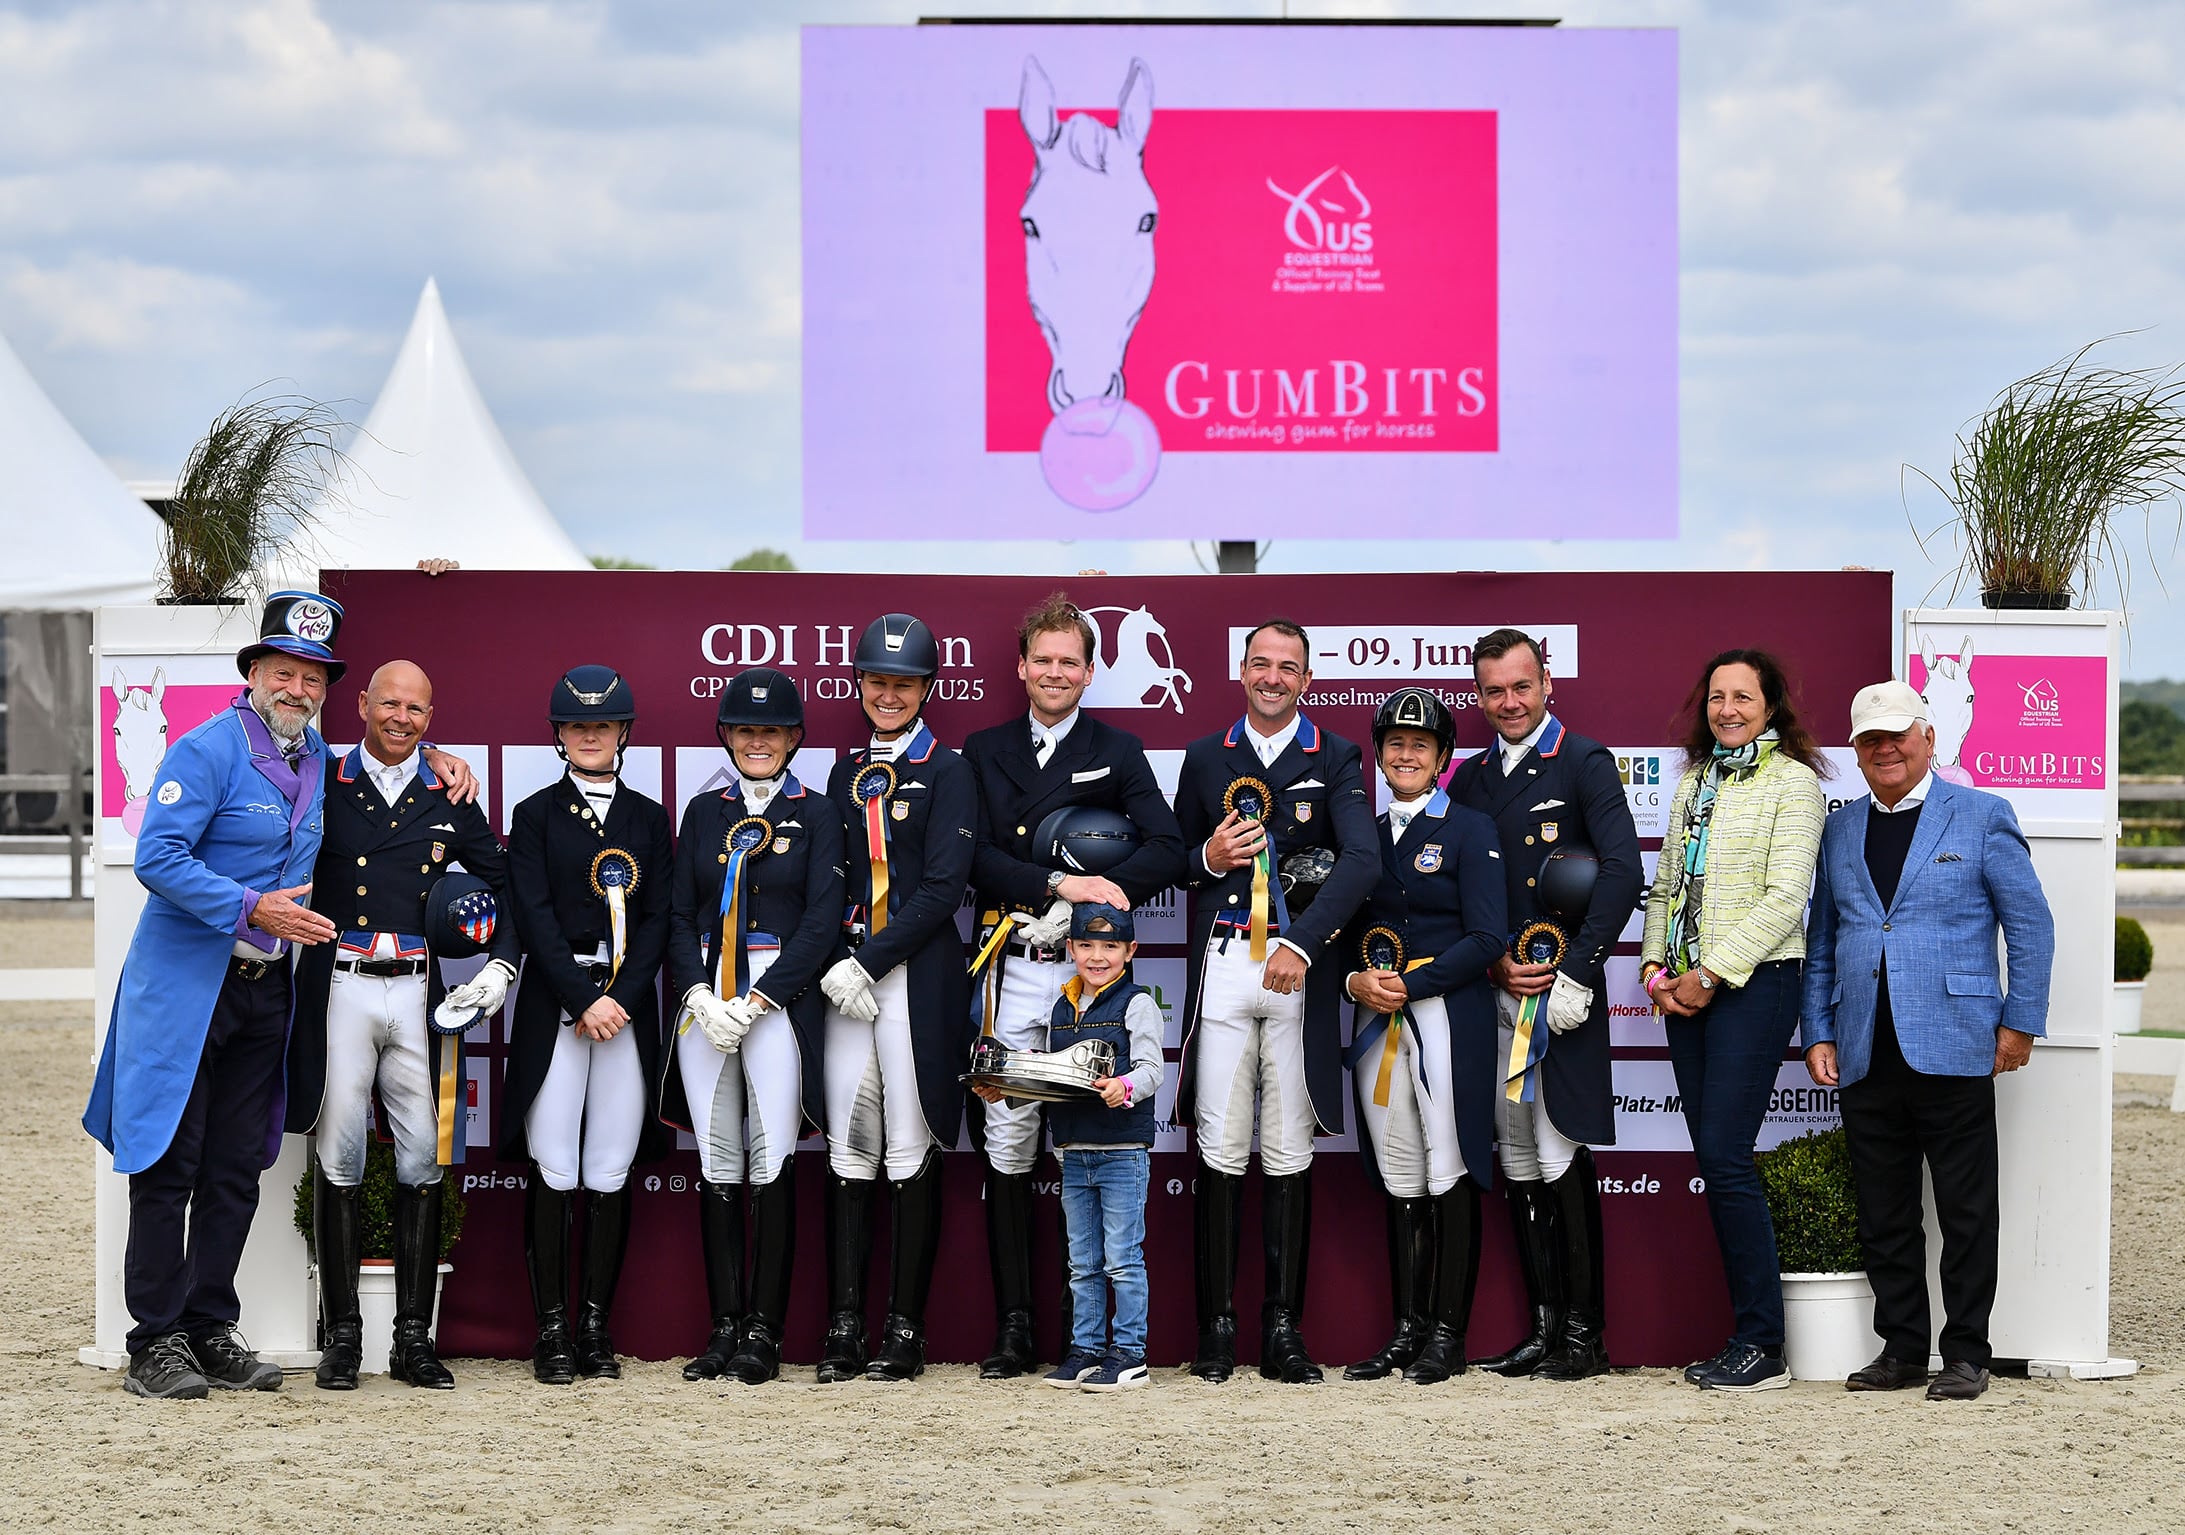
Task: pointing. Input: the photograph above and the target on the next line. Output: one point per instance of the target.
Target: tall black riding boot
(849, 1246)
(774, 1249)
(721, 1241)
(1540, 1263)
(1286, 1219)
(417, 1282)
(902, 1353)
(336, 1226)
(606, 1238)
(1410, 1285)
(1216, 1230)
(546, 1258)
(1583, 1349)
(1456, 1277)
(1009, 1256)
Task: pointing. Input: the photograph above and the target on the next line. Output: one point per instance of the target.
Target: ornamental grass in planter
(2041, 476)
(248, 490)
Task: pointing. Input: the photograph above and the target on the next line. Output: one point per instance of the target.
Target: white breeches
(1250, 1049)
(375, 1032)
(1415, 1134)
(746, 1108)
(875, 1122)
(1531, 1148)
(585, 1123)
(1022, 1010)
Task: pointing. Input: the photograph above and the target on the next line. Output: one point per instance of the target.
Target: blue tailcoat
(215, 825)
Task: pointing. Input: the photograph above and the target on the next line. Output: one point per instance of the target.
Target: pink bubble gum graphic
(1100, 454)
(132, 816)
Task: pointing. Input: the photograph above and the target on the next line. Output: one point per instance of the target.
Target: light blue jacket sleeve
(189, 788)
(1816, 1011)
(2029, 927)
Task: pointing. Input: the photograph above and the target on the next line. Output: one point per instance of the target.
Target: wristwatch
(1054, 882)
(1706, 981)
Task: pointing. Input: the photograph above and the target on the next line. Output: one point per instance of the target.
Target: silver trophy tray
(1041, 1076)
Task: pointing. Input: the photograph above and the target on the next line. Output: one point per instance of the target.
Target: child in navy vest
(1106, 1146)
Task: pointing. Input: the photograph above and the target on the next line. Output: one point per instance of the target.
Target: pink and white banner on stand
(1234, 282)
(2019, 708)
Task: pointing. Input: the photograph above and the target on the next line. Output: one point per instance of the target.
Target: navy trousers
(190, 1211)
(1726, 1061)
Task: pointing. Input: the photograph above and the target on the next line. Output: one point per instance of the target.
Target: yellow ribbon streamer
(876, 849)
(1521, 1049)
(451, 1076)
(1260, 861)
(1389, 1041)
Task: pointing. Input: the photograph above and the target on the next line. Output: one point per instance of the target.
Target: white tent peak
(75, 538)
(430, 475)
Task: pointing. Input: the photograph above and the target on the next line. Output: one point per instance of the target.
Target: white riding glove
(712, 1016)
(1050, 928)
(849, 988)
(483, 994)
(1569, 1004)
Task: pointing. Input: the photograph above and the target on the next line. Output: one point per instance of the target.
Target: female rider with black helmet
(590, 866)
(899, 1014)
(1423, 1064)
(756, 914)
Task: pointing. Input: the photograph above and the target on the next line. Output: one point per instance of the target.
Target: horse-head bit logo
(1324, 218)
(313, 621)
(1137, 669)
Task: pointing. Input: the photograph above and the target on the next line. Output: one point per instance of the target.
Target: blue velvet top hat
(301, 624)
(1097, 919)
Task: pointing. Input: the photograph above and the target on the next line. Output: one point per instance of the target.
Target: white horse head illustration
(140, 740)
(1949, 697)
(1130, 668)
(1088, 221)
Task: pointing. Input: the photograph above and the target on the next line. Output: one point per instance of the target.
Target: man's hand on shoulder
(455, 773)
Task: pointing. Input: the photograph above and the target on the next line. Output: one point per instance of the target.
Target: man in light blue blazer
(1905, 1009)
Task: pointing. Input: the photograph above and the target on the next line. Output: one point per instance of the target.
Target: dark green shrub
(1812, 1200)
(377, 1229)
(2135, 951)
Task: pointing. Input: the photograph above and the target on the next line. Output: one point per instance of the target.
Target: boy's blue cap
(1097, 919)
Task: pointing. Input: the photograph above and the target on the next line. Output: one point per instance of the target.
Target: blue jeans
(1104, 1213)
(1726, 1061)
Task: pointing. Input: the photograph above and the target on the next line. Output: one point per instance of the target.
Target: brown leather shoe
(1886, 1374)
(1958, 1382)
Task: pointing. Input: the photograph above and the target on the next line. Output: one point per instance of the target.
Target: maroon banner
(1624, 651)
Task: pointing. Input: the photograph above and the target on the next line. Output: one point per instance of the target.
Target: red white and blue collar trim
(1551, 738)
(1308, 734)
(353, 764)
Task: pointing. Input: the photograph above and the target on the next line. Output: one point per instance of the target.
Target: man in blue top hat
(189, 1092)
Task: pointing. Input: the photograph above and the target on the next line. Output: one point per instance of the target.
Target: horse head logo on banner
(1948, 691)
(140, 741)
(1089, 216)
(1136, 667)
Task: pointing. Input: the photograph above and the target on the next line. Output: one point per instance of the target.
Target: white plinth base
(1828, 1325)
(376, 1305)
(2082, 1369)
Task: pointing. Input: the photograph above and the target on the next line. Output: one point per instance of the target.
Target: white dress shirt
(758, 793)
(1912, 800)
(1270, 747)
(1514, 750)
(1400, 813)
(390, 778)
(1045, 738)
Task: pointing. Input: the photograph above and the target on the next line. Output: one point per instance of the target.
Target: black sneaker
(1747, 1367)
(1696, 1372)
(165, 1370)
(228, 1363)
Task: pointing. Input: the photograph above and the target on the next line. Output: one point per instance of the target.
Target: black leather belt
(252, 969)
(1046, 954)
(599, 974)
(382, 969)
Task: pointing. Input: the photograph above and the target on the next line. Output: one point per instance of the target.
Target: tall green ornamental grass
(2057, 456)
(1813, 1202)
(248, 489)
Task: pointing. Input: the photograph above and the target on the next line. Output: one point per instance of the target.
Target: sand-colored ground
(1638, 1450)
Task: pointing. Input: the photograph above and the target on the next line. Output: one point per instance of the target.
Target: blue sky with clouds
(1888, 212)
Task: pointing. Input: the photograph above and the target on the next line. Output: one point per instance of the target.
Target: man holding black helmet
(361, 1008)
(899, 1003)
(1069, 812)
(1547, 789)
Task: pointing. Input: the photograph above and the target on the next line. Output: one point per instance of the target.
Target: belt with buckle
(251, 969)
(598, 971)
(381, 969)
(1044, 953)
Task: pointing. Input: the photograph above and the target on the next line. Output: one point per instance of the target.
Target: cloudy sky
(1888, 211)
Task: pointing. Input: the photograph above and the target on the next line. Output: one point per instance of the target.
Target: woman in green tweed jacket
(1725, 934)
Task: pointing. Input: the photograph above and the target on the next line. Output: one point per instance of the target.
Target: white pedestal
(1828, 1325)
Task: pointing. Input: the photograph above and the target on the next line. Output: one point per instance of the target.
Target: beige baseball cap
(1886, 706)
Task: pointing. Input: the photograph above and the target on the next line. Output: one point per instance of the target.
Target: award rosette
(1249, 799)
(1042, 1076)
(1382, 948)
(746, 840)
(870, 787)
(614, 876)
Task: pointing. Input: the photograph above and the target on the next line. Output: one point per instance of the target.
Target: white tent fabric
(430, 476)
(74, 537)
